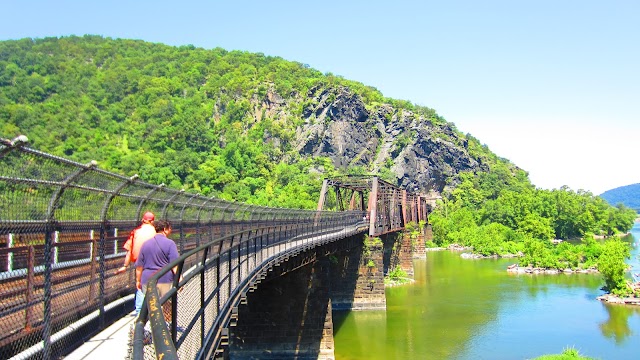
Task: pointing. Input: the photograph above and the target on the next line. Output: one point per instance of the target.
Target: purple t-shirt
(155, 253)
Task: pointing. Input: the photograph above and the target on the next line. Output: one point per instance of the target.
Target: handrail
(330, 227)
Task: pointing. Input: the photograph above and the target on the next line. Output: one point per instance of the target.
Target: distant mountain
(629, 195)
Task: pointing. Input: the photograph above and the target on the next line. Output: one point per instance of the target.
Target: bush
(430, 244)
(567, 354)
(569, 256)
(537, 253)
(397, 274)
(511, 247)
(487, 240)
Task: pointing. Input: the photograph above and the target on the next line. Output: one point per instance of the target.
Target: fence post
(29, 289)
(169, 201)
(56, 235)
(147, 197)
(182, 237)
(202, 293)
(224, 212)
(91, 243)
(115, 242)
(10, 254)
(46, 335)
(92, 253)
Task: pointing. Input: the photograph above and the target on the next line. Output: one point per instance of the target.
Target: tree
(612, 266)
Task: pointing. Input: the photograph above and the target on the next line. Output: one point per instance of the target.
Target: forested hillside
(628, 195)
(236, 125)
(263, 130)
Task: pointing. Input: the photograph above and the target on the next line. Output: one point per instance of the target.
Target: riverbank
(631, 300)
(531, 270)
(618, 300)
(452, 247)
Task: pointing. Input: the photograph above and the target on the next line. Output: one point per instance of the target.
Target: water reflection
(617, 326)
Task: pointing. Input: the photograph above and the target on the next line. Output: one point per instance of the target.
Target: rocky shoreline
(531, 270)
(453, 247)
(631, 300)
(618, 300)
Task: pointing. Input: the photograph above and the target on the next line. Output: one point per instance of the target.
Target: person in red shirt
(137, 238)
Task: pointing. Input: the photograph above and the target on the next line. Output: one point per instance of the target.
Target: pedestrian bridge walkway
(63, 224)
(111, 343)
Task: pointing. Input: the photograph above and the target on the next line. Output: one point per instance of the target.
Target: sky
(551, 85)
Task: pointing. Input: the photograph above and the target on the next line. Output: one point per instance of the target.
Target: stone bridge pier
(289, 313)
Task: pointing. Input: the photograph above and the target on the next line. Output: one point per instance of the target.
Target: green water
(474, 309)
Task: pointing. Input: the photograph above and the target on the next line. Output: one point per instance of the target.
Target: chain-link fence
(62, 229)
(191, 321)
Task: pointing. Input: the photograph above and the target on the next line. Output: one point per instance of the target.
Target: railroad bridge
(256, 282)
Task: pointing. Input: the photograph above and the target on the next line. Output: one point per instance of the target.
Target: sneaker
(148, 339)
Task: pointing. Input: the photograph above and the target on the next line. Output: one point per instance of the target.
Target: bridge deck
(111, 343)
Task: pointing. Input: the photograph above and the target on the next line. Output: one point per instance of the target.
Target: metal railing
(191, 321)
(62, 227)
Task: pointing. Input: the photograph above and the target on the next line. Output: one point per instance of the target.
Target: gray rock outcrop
(421, 154)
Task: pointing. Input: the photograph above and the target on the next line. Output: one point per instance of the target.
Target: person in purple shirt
(155, 254)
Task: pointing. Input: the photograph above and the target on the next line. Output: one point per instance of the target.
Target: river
(473, 309)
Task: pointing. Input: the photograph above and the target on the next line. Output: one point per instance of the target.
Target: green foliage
(397, 273)
(430, 244)
(371, 242)
(501, 213)
(369, 245)
(539, 254)
(450, 223)
(569, 353)
(421, 224)
(401, 142)
(491, 239)
(510, 200)
(411, 226)
(567, 256)
(413, 229)
(590, 251)
(612, 266)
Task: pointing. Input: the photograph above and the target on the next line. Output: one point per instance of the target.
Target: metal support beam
(373, 205)
(323, 194)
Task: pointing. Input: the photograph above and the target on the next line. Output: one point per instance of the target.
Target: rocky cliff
(418, 152)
